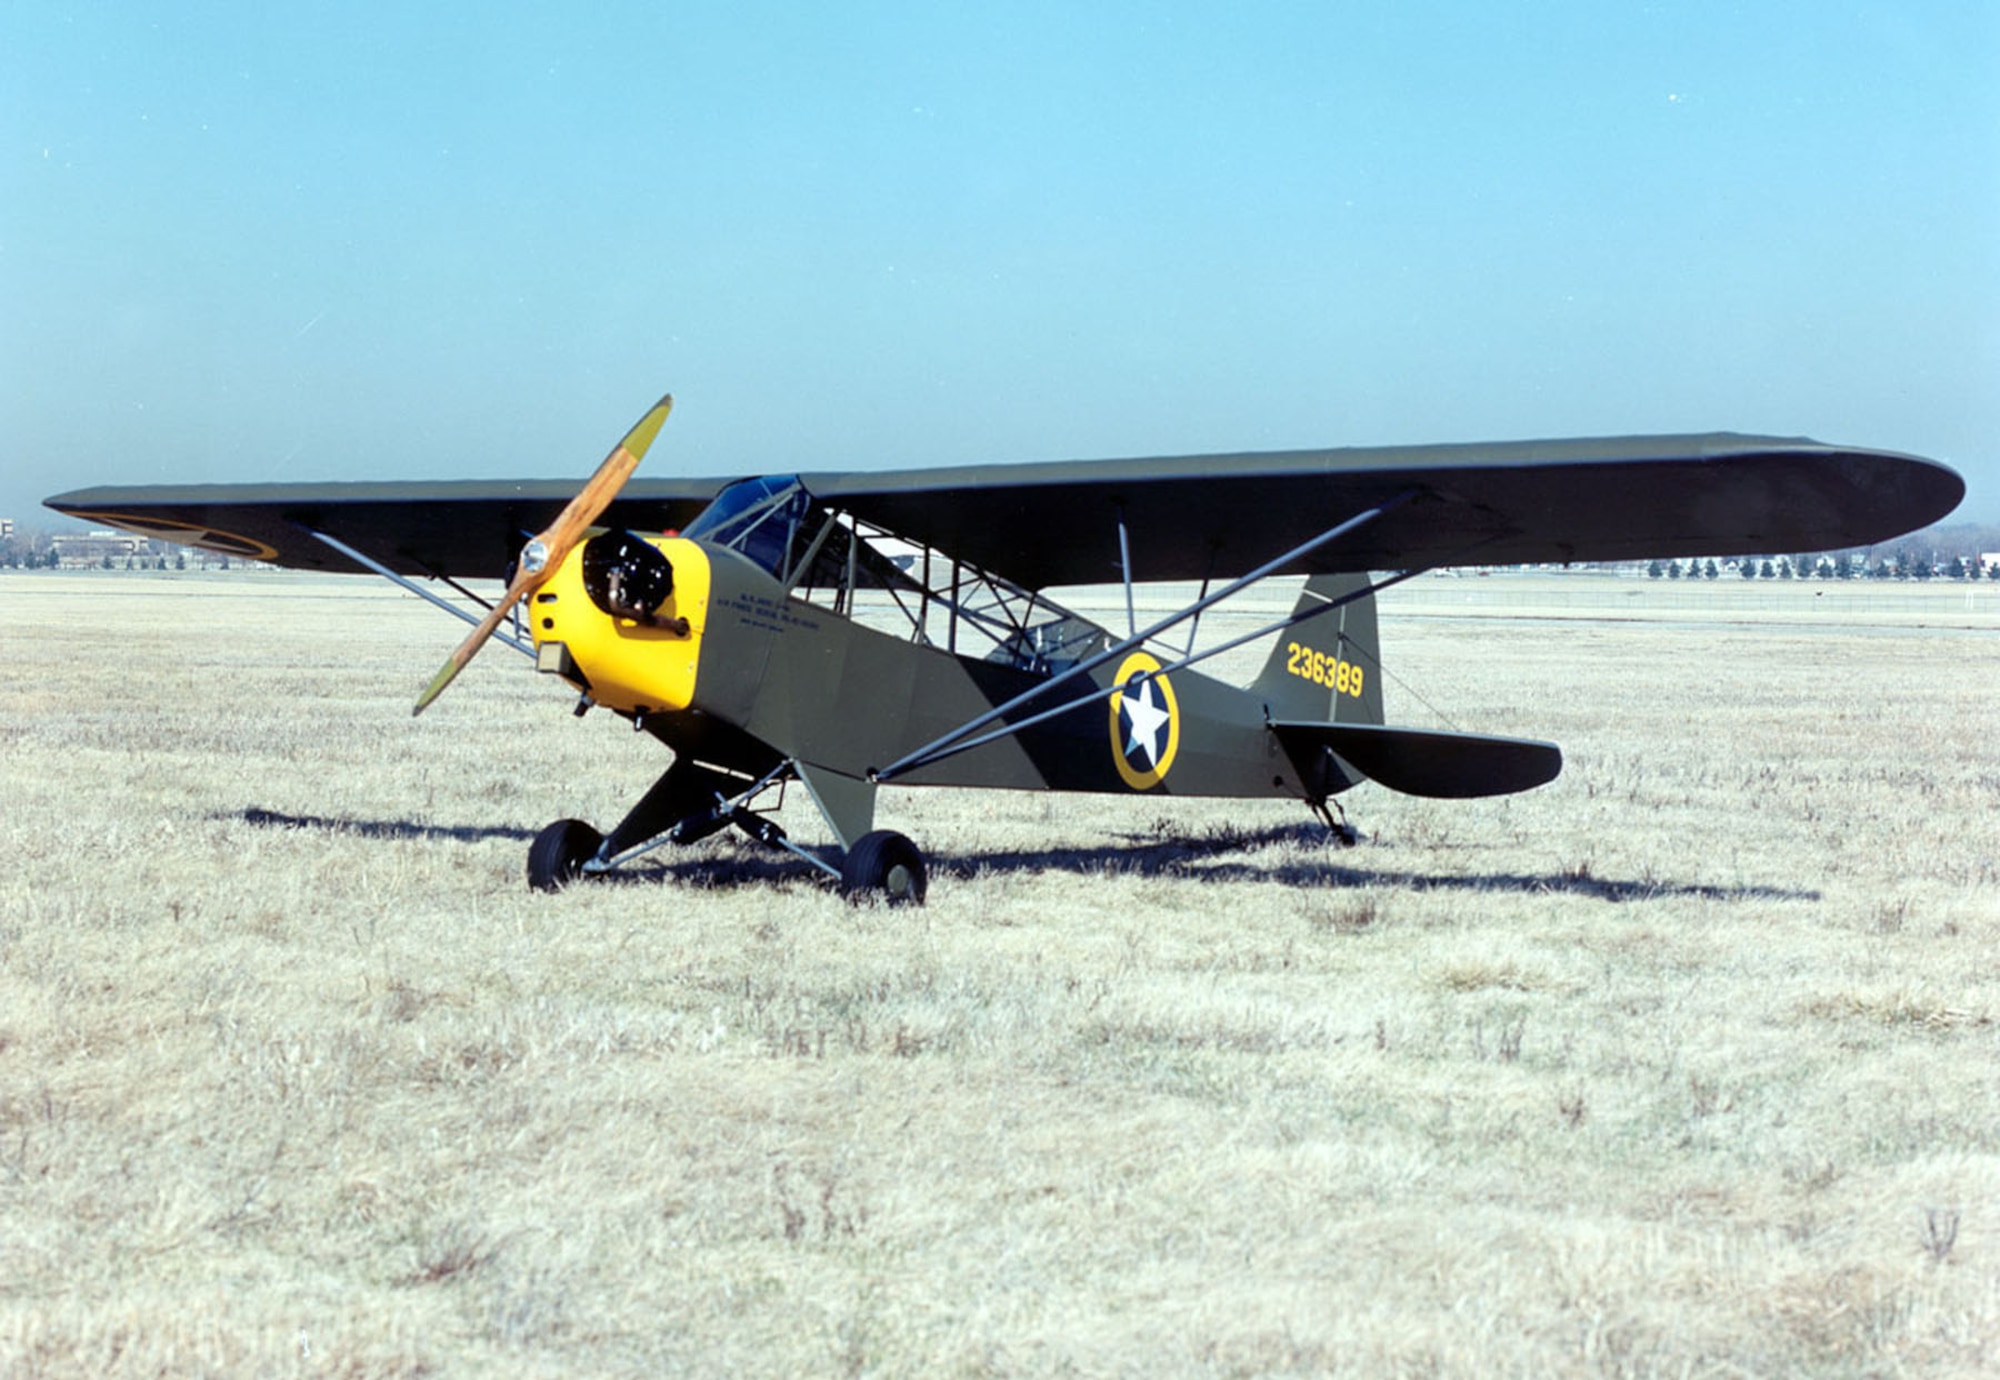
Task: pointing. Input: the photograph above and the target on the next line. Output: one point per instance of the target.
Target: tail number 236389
(1342, 677)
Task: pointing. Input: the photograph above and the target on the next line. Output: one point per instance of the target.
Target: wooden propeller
(557, 539)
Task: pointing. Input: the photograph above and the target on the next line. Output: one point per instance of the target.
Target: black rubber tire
(884, 866)
(557, 856)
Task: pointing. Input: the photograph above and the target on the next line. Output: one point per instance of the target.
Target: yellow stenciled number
(1341, 677)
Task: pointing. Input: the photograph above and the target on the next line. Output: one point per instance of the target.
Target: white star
(1147, 720)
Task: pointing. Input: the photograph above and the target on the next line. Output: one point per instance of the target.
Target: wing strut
(953, 743)
(1125, 566)
(413, 587)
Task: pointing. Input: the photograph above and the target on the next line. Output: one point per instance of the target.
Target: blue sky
(245, 241)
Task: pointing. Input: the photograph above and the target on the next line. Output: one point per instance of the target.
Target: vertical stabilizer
(1327, 669)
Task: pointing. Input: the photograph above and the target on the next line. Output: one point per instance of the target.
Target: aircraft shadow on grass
(1236, 859)
(1229, 855)
(381, 828)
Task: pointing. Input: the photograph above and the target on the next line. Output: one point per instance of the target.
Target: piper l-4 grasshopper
(846, 632)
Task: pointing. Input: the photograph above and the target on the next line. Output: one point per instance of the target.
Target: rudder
(1327, 669)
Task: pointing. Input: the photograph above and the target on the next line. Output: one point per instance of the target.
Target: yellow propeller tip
(640, 437)
(443, 678)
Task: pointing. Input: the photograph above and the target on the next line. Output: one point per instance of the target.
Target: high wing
(456, 528)
(1184, 517)
(1220, 516)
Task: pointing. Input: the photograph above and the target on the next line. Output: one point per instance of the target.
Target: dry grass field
(1686, 1065)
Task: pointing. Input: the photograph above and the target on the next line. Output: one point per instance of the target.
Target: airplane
(842, 632)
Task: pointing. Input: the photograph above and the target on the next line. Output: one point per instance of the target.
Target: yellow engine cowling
(625, 663)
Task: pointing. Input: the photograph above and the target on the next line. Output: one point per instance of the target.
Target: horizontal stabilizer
(1446, 766)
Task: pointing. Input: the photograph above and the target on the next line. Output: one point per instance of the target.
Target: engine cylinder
(626, 576)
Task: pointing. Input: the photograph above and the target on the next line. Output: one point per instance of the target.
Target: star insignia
(1146, 720)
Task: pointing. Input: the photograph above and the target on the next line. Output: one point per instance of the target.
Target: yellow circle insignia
(1145, 723)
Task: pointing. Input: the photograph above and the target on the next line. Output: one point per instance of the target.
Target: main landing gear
(557, 856)
(691, 802)
(884, 864)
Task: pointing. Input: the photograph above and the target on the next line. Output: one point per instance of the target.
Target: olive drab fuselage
(761, 675)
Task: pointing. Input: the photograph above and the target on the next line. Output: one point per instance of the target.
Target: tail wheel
(557, 856)
(887, 865)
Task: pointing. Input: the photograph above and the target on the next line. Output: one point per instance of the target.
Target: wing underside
(458, 529)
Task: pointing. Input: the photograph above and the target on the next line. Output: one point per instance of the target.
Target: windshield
(758, 517)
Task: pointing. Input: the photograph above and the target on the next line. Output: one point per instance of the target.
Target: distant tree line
(1950, 552)
(1840, 565)
(17, 555)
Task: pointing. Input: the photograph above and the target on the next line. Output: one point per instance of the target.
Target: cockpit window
(835, 559)
(762, 518)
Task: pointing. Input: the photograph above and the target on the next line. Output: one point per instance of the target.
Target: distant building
(88, 549)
